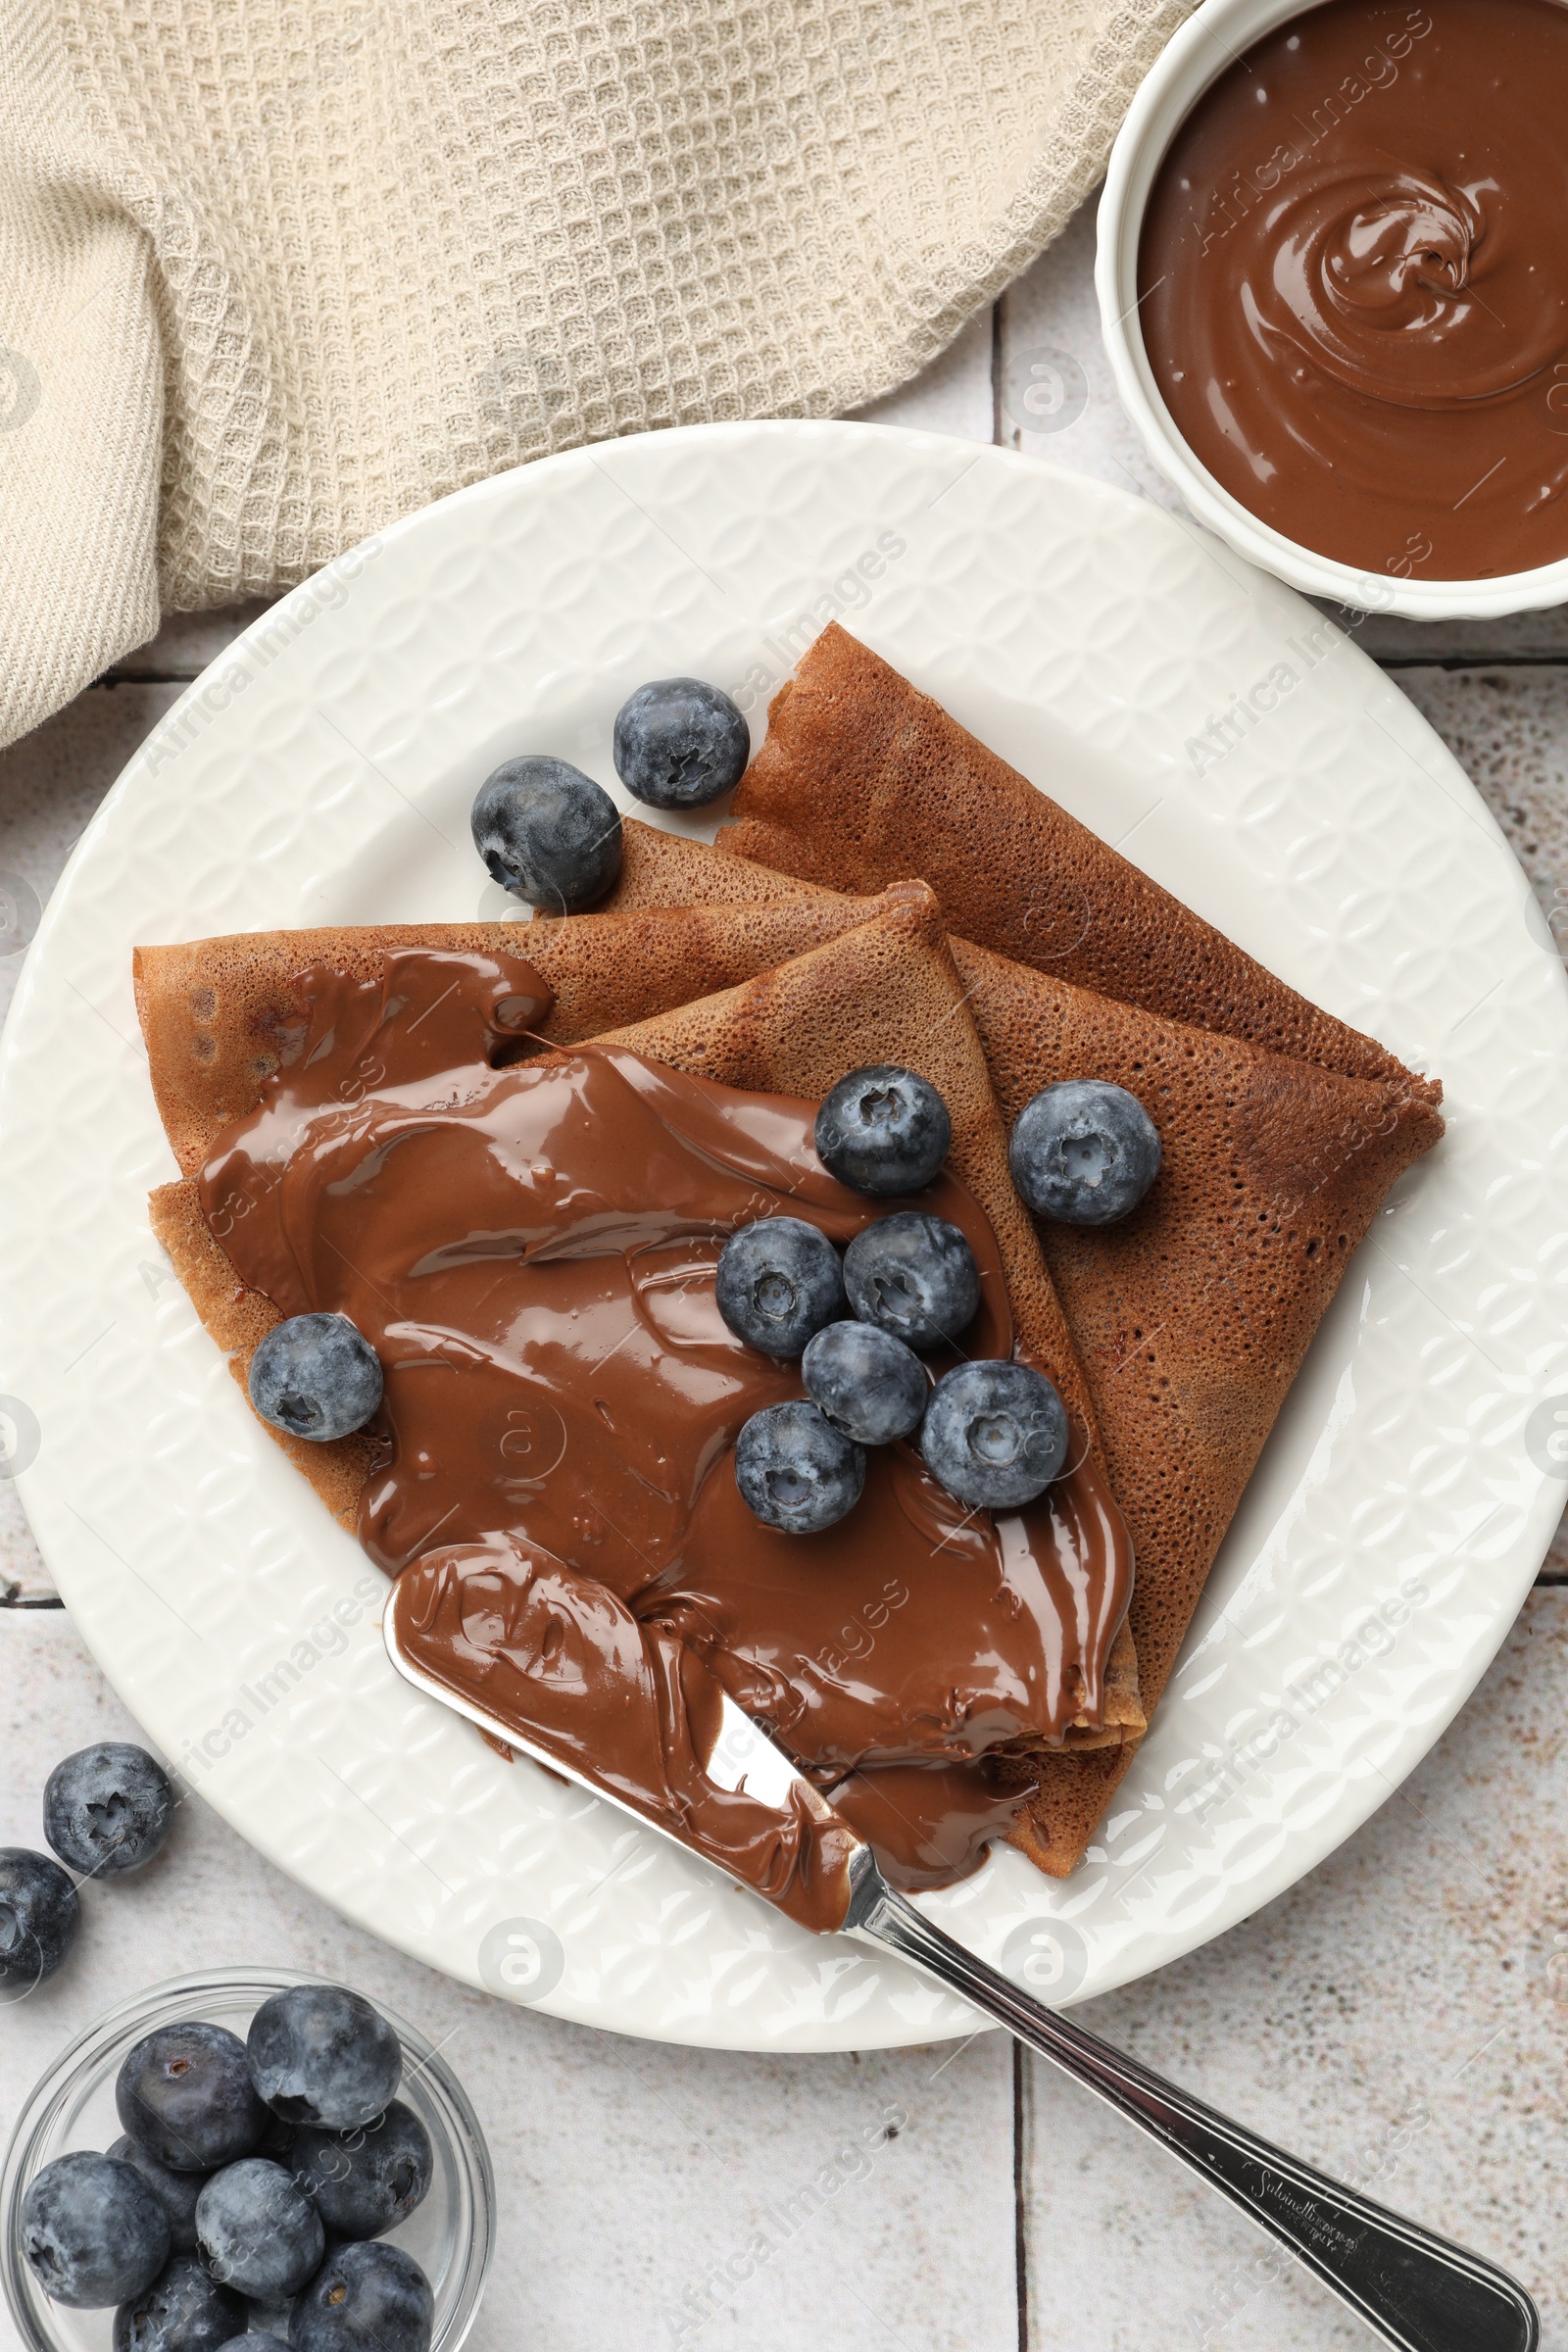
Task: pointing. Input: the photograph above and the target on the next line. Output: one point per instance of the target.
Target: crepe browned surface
(213, 1011)
(667, 869)
(1192, 1316)
(882, 985)
(863, 780)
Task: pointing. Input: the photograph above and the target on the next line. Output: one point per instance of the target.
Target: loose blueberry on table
(92, 2231)
(680, 743)
(1084, 1152)
(870, 1385)
(548, 833)
(795, 1471)
(107, 1809)
(183, 2310)
(913, 1275)
(321, 2054)
(39, 1916)
(365, 2183)
(364, 2298)
(779, 1282)
(185, 2094)
(995, 1434)
(884, 1130)
(315, 1377)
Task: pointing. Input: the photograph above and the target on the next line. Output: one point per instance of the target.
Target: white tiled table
(1400, 2017)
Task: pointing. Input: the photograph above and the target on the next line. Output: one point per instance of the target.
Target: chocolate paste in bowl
(1353, 284)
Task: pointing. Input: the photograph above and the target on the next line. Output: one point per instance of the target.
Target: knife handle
(1416, 2290)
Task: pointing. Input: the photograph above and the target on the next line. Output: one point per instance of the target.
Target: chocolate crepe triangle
(863, 780)
(1192, 1316)
(215, 1015)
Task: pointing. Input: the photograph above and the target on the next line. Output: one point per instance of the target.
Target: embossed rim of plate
(322, 770)
(1204, 48)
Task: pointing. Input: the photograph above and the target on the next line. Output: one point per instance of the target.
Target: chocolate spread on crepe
(862, 781)
(215, 1012)
(652, 1537)
(1192, 1316)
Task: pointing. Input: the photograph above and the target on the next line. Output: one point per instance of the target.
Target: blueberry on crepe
(865, 1382)
(913, 1275)
(795, 1471)
(779, 1282)
(315, 1377)
(884, 1130)
(995, 1434)
(1083, 1152)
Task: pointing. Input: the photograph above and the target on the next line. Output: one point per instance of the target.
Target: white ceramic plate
(321, 772)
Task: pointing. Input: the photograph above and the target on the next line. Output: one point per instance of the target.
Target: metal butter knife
(1414, 2290)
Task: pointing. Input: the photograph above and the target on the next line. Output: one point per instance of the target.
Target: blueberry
(364, 2182)
(913, 1275)
(258, 2231)
(278, 2138)
(680, 743)
(869, 1384)
(268, 2318)
(39, 1916)
(1084, 1152)
(548, 833)
(254, 2341)
(995, 1434)
(316, 1377)
(321, 2054)
(883, 1130)
(177, 2193)
(372, 2298)
(185, 2093)
(182, 2311)
(795, 1470)
(107, 1808)
(92, 2232)
(779, 1281)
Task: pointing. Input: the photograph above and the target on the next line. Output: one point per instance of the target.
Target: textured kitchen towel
(273, 273)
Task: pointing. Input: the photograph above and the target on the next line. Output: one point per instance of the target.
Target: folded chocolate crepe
(220, 1015)
(1193, 1315)
(862, 781)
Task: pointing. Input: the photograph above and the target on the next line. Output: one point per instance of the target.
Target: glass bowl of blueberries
(247, 2155)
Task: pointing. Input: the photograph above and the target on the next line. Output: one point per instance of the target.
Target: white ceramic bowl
(1209, 42)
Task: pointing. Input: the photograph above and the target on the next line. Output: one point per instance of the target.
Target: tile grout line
(997, 334)
(1020, 2233)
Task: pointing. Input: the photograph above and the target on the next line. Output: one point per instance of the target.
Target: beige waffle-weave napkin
(273, 273)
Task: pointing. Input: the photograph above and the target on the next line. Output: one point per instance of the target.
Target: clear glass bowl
(451, 2236)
